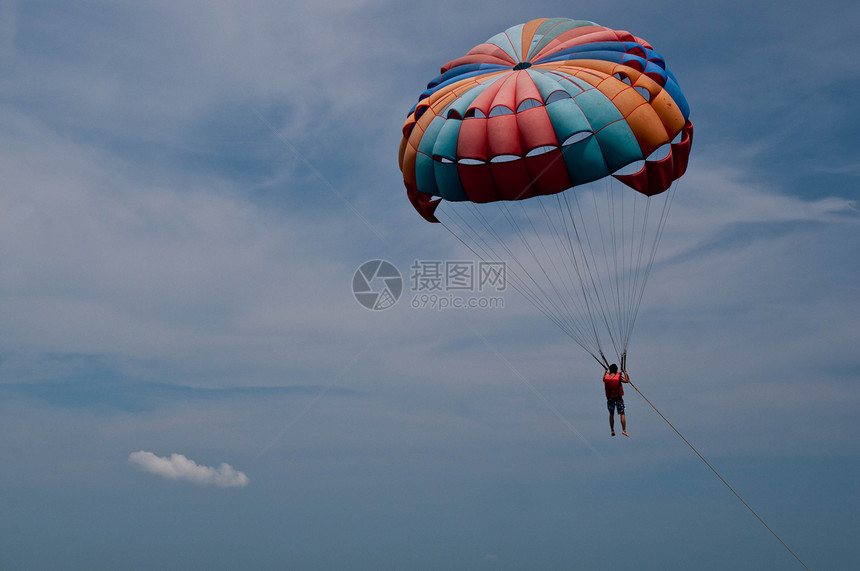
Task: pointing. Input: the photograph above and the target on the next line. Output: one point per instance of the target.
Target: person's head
(613, 368)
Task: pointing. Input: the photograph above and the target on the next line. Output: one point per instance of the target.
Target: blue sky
(188, 188)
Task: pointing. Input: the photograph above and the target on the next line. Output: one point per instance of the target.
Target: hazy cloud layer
(178, 467)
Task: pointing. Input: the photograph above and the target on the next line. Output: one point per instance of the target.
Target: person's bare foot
(624, 432)
(613, 433)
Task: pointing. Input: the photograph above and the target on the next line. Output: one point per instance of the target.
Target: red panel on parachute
(423, 203)
(657, 176)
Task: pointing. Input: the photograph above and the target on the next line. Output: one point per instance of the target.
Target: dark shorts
(612, 404)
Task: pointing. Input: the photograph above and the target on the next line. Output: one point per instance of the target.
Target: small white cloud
(178, 467)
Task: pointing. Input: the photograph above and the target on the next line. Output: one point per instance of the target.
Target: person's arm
(625, 378)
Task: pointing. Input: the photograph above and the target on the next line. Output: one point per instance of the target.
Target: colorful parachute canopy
(540, 108)
(517, 149)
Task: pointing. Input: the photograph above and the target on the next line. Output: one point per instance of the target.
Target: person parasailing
(612, 380)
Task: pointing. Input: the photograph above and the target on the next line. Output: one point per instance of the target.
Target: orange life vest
(612, 385)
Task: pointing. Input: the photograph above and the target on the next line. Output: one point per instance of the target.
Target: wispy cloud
(178, 467)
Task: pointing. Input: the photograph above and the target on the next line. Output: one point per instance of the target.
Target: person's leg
(612, 422)
(623, 425)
